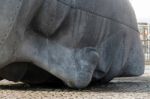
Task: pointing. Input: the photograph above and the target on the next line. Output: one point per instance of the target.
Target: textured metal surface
(76, 41)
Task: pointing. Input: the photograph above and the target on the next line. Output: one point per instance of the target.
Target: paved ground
(124, 88)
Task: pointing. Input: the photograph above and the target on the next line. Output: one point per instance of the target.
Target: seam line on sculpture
(98, 15)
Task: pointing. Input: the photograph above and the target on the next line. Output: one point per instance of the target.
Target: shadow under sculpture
(75, 41)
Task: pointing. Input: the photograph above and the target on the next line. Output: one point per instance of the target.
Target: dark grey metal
(77, 41)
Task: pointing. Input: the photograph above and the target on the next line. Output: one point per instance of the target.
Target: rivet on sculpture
(73, 41)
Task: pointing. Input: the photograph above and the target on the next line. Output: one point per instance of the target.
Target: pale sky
(142, 10)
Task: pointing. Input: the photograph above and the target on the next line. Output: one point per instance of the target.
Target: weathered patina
(73, 41)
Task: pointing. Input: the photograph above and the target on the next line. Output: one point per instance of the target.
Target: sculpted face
(74, 41)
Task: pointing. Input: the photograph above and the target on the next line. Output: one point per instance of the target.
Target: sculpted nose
(63, 62)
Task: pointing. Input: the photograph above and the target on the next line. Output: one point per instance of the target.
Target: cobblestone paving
(120, 88)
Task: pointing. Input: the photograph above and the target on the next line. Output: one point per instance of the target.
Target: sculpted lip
(70, 41)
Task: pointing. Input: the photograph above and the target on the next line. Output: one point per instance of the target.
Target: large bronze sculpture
(75, 41)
